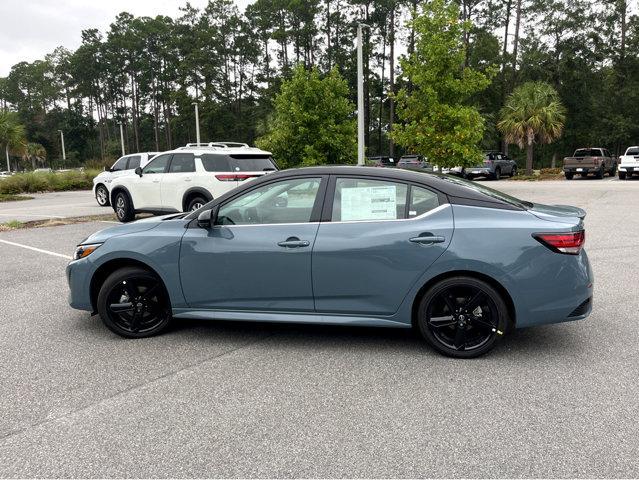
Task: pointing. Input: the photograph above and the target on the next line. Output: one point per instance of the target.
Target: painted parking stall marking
(55, 254)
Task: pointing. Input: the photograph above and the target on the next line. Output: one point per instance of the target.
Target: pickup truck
(590, 160)
(629, 163)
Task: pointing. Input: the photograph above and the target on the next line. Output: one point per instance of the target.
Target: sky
(29, 29)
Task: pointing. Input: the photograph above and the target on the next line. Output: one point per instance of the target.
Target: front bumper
(629, 168)
(79, 279)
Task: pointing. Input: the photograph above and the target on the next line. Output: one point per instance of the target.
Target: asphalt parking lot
(47, 206)
(215, 399)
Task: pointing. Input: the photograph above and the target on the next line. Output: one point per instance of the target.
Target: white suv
(188, 177)
(629, 163)
(123, 166)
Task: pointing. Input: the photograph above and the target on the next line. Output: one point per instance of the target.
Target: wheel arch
(195, 192)
(107, 268)
(465, 273)
(117, 189)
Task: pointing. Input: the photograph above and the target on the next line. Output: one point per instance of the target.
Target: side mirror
(207, 218)
(139, 171)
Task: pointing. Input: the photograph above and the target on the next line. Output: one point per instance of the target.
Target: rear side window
(157, 165)
(216, 163)
(422, 200)
(182, 163)
(134, 162)
(119, 165)
(359, 199)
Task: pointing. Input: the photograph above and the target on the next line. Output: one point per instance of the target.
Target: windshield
(632, 151)
(488, 191)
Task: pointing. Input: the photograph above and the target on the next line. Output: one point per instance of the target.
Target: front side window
(157, 165)
(119, 165)
(134, 162)
(359, 199)
(182, 163)
(287, 201)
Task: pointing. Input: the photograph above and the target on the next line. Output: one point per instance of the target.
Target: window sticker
(369, 203)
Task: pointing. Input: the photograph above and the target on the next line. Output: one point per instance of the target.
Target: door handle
(427, 239)
(187, 179)
(156, 181)
(294, 242)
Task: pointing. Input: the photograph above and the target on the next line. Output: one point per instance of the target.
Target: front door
(382, 237)
(258, 255)
(146, 189)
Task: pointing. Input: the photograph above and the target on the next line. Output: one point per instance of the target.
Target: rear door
(381, 237)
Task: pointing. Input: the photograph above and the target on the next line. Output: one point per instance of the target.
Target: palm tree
(533, 114)
(35, 153)
(12, 134)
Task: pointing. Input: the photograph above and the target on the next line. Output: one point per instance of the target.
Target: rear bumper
(581, 169)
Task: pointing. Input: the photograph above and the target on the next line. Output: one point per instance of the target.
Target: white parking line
(68, 257)
(15, 214)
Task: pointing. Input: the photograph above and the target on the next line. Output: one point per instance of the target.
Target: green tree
(533, 114)
(34, 153)
(11, 134)
(437, 120)
(313, 122)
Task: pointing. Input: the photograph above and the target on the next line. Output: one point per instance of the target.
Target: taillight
(234, 177)
(570, 243)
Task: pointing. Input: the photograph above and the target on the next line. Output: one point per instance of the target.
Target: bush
(33, 182)
(551, 171)
(96, 164)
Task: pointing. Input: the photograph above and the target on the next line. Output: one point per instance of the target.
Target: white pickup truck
(629, 163)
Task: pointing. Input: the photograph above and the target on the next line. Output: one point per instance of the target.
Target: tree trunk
(516, 44)
(328, 33)
(553, 162)
(6, 151)
(381, 93)
(391, 112)
(529, 159)
(504, 52)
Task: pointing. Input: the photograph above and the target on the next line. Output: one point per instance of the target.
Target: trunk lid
(558, 213)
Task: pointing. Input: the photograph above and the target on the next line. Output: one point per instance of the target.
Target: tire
(195, 203)
(569, 175)
(150, 312)
(513, 172)
(497, 174)
(613, 170)
(102, 196)
(123, 207)
(622, 175)
(464, 333)
(601, 172)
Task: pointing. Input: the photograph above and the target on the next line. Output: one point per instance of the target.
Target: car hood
(558, 213)
(124, 229)
(101, 175)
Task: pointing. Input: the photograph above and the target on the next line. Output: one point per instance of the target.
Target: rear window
(588, 152)
(632, 151)
(237, 163)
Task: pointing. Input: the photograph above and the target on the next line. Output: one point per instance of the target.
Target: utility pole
(360, 96)
(64, 153)
(122, 138)
(197, 123)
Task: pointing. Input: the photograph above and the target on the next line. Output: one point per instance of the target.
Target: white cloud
(29, 29)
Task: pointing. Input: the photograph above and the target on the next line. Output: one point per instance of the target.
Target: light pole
(360, 96)
(64, 154)
(197, 123)
(122, 138)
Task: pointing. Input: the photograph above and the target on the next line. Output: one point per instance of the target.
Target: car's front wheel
(513, 172)
(134, 303)
(102, 196)
(124, 207)
(462, 317)
(622, 175)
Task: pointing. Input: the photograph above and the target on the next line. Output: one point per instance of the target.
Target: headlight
(82, 251)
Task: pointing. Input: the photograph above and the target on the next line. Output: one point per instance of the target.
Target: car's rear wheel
(622, 175)
(133, 303)
(497, 174)
(195, 204)
(102, 196)
(124, 207)
(613, 170)
(462, 317)
(569, 175)
(600, 173)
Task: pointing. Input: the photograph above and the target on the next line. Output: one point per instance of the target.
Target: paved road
(45, 206)
(240, 399)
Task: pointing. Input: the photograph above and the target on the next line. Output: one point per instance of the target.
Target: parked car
(590, 160)
(460, 262)
(495, 165)
(381, 161)
(415, 162)
(456, 171)
(629, 163)
(186, 178)
(123, 166)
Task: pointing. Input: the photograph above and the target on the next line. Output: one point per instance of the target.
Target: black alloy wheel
(102, 196)
(133, 303)
(462, 317)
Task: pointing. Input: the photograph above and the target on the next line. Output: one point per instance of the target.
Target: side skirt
(277, 317)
